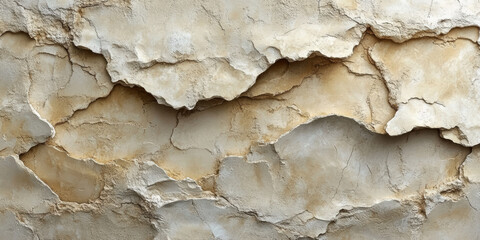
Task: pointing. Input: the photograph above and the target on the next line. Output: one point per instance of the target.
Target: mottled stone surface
(274, 119)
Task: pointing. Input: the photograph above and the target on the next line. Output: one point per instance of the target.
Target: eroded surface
(215, 48)
(341, 167)
(427, 90)
(337, 119)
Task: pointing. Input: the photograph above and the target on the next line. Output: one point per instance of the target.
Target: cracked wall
(336, 119)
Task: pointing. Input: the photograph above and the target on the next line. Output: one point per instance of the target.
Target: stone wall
(176, 119)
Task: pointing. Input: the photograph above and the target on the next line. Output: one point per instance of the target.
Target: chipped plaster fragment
(426, 87)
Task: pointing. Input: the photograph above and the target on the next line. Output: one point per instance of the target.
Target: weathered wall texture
(272, 119)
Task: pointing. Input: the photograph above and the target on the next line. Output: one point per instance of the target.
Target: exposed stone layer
(337, 119)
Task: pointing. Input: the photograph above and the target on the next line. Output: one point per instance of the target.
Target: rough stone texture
(21, 125)
(428, 90)
(339, 167)
(336, 119)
